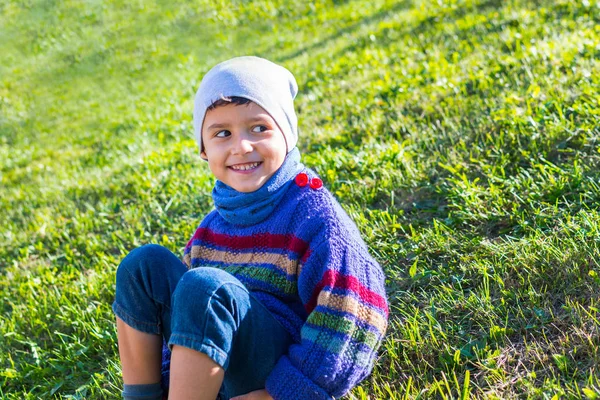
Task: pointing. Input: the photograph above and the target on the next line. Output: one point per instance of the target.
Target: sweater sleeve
(342, 289)
(187, 254)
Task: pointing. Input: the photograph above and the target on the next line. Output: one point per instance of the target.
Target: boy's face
(243, 145)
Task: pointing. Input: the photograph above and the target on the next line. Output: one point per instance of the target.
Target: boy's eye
(259, 128)
(223, 133)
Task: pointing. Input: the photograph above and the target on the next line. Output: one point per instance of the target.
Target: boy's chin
(248, 187)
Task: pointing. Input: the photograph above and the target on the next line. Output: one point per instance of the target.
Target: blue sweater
(307, 263)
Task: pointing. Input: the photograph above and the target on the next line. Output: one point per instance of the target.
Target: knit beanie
(261, 81)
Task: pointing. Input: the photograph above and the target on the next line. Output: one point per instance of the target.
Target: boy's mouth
(245, 166)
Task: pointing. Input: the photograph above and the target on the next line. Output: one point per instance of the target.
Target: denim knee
(208, 306)
(207, 280)
(145, 281)
(141, 262)
(214, 313)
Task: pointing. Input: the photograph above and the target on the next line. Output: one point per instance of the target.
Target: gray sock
(152, 391)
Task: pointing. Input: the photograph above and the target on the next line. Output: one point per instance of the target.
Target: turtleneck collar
(251, 208)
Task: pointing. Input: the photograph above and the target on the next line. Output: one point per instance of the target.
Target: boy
(277, 296)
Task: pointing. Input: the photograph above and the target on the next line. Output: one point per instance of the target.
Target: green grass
(461, 135)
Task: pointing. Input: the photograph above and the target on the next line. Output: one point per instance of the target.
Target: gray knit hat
(265, 83)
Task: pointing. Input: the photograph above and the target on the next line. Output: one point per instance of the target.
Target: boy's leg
(194, 375)
(260, 343)
(214, 314)
(140, 355)
(146, 279)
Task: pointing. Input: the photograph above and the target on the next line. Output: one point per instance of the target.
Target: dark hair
(223, 101)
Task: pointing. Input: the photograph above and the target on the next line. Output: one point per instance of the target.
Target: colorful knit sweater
(308, 265)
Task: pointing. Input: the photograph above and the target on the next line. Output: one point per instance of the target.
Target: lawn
(462, 136)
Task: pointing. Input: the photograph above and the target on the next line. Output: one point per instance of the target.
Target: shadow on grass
(423, 204)
(343, 31)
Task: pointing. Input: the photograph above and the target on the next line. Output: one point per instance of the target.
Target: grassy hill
(461, 135)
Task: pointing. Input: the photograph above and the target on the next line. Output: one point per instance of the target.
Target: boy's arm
(342, 289)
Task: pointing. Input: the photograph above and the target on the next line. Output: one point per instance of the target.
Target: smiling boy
(245, 144)
(277, 296)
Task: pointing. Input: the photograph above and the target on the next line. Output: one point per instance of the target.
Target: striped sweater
(308, 265)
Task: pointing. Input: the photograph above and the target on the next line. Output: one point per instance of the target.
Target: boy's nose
(242, 146)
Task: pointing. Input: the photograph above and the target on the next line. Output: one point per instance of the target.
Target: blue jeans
(204, 309)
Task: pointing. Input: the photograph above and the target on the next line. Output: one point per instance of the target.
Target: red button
(316, 183)
(301, 179)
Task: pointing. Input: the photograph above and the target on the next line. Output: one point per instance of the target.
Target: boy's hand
(256, 395)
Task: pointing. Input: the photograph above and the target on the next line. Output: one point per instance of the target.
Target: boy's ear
(203, 155)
